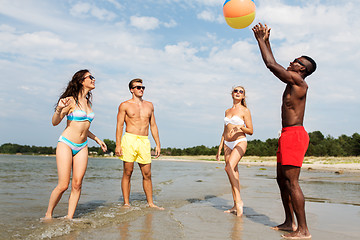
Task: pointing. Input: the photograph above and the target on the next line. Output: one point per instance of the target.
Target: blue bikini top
(80, 116)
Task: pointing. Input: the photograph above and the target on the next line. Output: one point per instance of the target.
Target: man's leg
(125, 181)
(147, 184)
(289, 223)
(292, 174)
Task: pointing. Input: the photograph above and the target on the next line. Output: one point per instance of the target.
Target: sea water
(194, 195)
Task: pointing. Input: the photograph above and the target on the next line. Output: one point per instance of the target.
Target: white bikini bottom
(232, 145)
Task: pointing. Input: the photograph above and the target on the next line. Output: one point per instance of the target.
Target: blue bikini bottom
(75, 147)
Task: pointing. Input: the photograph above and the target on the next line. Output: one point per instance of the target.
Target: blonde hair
(243, 101)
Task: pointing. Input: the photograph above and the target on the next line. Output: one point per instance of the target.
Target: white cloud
(210, 16)
(7, 28)
(186, 79)
(36, 45)
(181, 50)
(172, 23)
(103, 14)
(210, 2)
(116, 4)
(206, 15)
(144, 23)
(41, 14)
(86, 10)
(150, 23)
(80, 9)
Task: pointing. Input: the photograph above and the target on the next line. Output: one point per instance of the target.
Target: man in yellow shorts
(134, 146)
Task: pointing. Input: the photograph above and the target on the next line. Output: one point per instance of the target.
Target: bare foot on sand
(239, 208)
(156, 207)
(232, 210)
(285, 227)
(46, 219)
(126, 205)
(297, 235)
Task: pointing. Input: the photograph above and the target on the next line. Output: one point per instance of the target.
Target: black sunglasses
(90, 76)
(139, 87)
(301, 63)
(238, 91)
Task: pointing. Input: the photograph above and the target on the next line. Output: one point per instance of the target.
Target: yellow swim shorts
(135, 148)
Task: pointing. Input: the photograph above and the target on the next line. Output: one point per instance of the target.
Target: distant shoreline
(336, 164)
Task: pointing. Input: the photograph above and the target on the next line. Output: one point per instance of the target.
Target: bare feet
(46, 219)
(156, 207)
(232, 210)
(239, 208)
(126, 205)
(285, 227)
(297, 235)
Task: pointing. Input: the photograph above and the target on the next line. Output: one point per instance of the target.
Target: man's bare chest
(139, 113)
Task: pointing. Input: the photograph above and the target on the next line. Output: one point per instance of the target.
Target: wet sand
(195, 209)
(205, 220)
(195, 194)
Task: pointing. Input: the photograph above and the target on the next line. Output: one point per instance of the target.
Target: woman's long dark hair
(74, 87)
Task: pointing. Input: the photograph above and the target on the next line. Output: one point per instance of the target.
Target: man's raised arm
(262, 35)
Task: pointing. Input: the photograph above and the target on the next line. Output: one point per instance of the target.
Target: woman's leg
(227, 153)
(64, 163)
(79, 168)
(232, 171)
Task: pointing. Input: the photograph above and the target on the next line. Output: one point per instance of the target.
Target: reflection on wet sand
(237, 229)
(145, 230)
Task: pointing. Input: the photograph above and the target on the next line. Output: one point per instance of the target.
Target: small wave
(166, 182)
(56, 231)
(106, 214)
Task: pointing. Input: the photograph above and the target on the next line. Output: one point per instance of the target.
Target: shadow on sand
(88, 207)
(222, 204)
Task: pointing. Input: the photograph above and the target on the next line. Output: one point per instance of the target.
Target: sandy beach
(193, 192)
(337, 164)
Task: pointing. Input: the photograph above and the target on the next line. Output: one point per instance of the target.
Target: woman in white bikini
(237, 123)
(72, 147)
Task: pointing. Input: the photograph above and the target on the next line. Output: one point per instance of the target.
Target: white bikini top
(235, 120)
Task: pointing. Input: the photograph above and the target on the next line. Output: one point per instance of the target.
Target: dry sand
(337, 164)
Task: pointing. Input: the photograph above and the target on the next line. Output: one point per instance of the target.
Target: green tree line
(319, 146)
(11, 148)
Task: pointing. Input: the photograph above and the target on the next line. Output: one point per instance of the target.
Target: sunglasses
(238, 91)
(301, 63)
(139, 87)
(90, 76)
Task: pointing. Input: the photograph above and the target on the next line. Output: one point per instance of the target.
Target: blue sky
(189, 60)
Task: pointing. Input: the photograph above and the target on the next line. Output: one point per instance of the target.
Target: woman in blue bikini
(72, 149)
(237, 123)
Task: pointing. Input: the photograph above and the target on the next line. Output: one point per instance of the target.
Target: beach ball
(239, 13)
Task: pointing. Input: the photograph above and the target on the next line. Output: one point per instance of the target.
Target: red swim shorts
(293, 144)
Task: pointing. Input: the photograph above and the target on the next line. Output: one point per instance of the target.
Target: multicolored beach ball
(239, 13)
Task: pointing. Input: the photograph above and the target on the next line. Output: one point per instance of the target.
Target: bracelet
(57, 110)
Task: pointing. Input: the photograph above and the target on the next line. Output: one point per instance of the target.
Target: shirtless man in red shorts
(294, 139)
